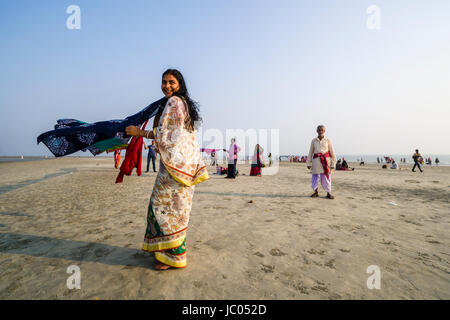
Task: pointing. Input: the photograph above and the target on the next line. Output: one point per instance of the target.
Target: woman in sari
(232, 159)
(181, 167)
(257, 161)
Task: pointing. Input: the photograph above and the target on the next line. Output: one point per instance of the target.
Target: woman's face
(169, 85)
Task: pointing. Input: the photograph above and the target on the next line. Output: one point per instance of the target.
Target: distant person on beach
(232, 159)
(181, 167)
(321, 159)
(214, 158)
(151, 155)
(339, 164)
(257, 161)
(270, 159)
(378, 159)
(343, 166)
(417, 157)
(394, 165)
(344, 163)
(116, 159)
(436, 161)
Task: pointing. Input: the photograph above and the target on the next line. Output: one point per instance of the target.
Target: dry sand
(283, 245)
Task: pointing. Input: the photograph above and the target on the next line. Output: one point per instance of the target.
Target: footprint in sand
(314, 251)
(259, 254)
(320, 286)
(330, 264)
(199, 284)
(267, 268)
(389, 243)
(277, 252)
(412, 181)
(345, 250)
(413, 222)
(300, 287)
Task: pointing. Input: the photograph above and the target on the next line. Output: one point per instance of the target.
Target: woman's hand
(132, 131)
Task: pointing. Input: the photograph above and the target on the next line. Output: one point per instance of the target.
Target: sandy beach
(249, 238)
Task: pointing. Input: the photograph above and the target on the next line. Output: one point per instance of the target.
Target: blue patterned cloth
(71, 135)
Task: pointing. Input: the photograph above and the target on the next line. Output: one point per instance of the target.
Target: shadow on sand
(41, 246)
(252, 194)
(28, 182)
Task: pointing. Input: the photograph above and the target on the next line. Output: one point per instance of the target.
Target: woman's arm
(136, 132)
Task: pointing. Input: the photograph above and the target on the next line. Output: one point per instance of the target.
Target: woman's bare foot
(161, 266)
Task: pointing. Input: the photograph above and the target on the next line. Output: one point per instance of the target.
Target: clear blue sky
(287, 65)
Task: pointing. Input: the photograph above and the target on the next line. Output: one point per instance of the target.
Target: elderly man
(322, 160)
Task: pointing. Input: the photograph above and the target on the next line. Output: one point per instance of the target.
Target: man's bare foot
(161, 266)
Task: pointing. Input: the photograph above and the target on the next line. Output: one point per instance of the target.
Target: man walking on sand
(417, 158)
(151, 155)
(322, 160)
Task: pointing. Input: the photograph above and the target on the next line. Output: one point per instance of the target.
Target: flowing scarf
(209, 151)
(323, 160)
(71, 135)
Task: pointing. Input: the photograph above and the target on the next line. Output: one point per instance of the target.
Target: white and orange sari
(181, 168)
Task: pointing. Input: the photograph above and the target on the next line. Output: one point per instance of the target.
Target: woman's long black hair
(193, 109)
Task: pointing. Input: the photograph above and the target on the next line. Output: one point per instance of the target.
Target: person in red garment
(257, 161)
(116, 159)
(322, 161)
